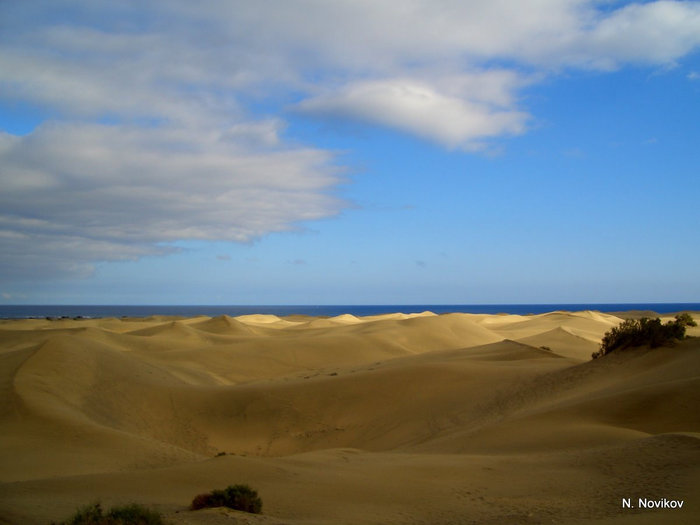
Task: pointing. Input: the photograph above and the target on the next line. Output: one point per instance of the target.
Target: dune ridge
(494, 417)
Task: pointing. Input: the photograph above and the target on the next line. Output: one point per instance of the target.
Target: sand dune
(590, 325)
(564, 342)
(224, 325)
(395, 418)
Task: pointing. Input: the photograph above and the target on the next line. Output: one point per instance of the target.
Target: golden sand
(393, 419)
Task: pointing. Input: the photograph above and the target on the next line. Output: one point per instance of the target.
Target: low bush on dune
(125, 515)
(644, 331)
(238, 497)
(135, 515)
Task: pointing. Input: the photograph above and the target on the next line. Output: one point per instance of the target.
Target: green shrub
(685, 319)
(644, 331)
(87, 515)
(126, 515)
(238, 497)
(134, 515)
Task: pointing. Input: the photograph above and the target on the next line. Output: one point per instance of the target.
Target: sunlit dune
(388, 419)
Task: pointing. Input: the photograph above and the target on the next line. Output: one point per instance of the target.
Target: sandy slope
(387, 419)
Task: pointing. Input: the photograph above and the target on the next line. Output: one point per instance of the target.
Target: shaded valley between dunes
(389, 419)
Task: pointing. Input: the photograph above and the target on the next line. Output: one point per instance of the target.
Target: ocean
(97, 311)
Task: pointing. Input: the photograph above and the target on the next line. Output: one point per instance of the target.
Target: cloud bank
(151, 135)
(76, 193)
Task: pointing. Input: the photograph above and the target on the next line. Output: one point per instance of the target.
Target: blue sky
(349, 152)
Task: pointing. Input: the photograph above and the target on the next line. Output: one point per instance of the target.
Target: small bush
(87, 515)
(203, 501)
(126, 515)
(644, 331)
(238, 497)
(134, 515)
(685, 319)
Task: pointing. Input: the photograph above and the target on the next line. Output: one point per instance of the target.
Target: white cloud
(117, 193)
(420, 109)
(654, 33)
(182, 61)
(153, 139)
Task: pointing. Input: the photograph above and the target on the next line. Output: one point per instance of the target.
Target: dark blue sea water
(94, 311)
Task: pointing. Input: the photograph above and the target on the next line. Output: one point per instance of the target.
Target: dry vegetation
(644, 331)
